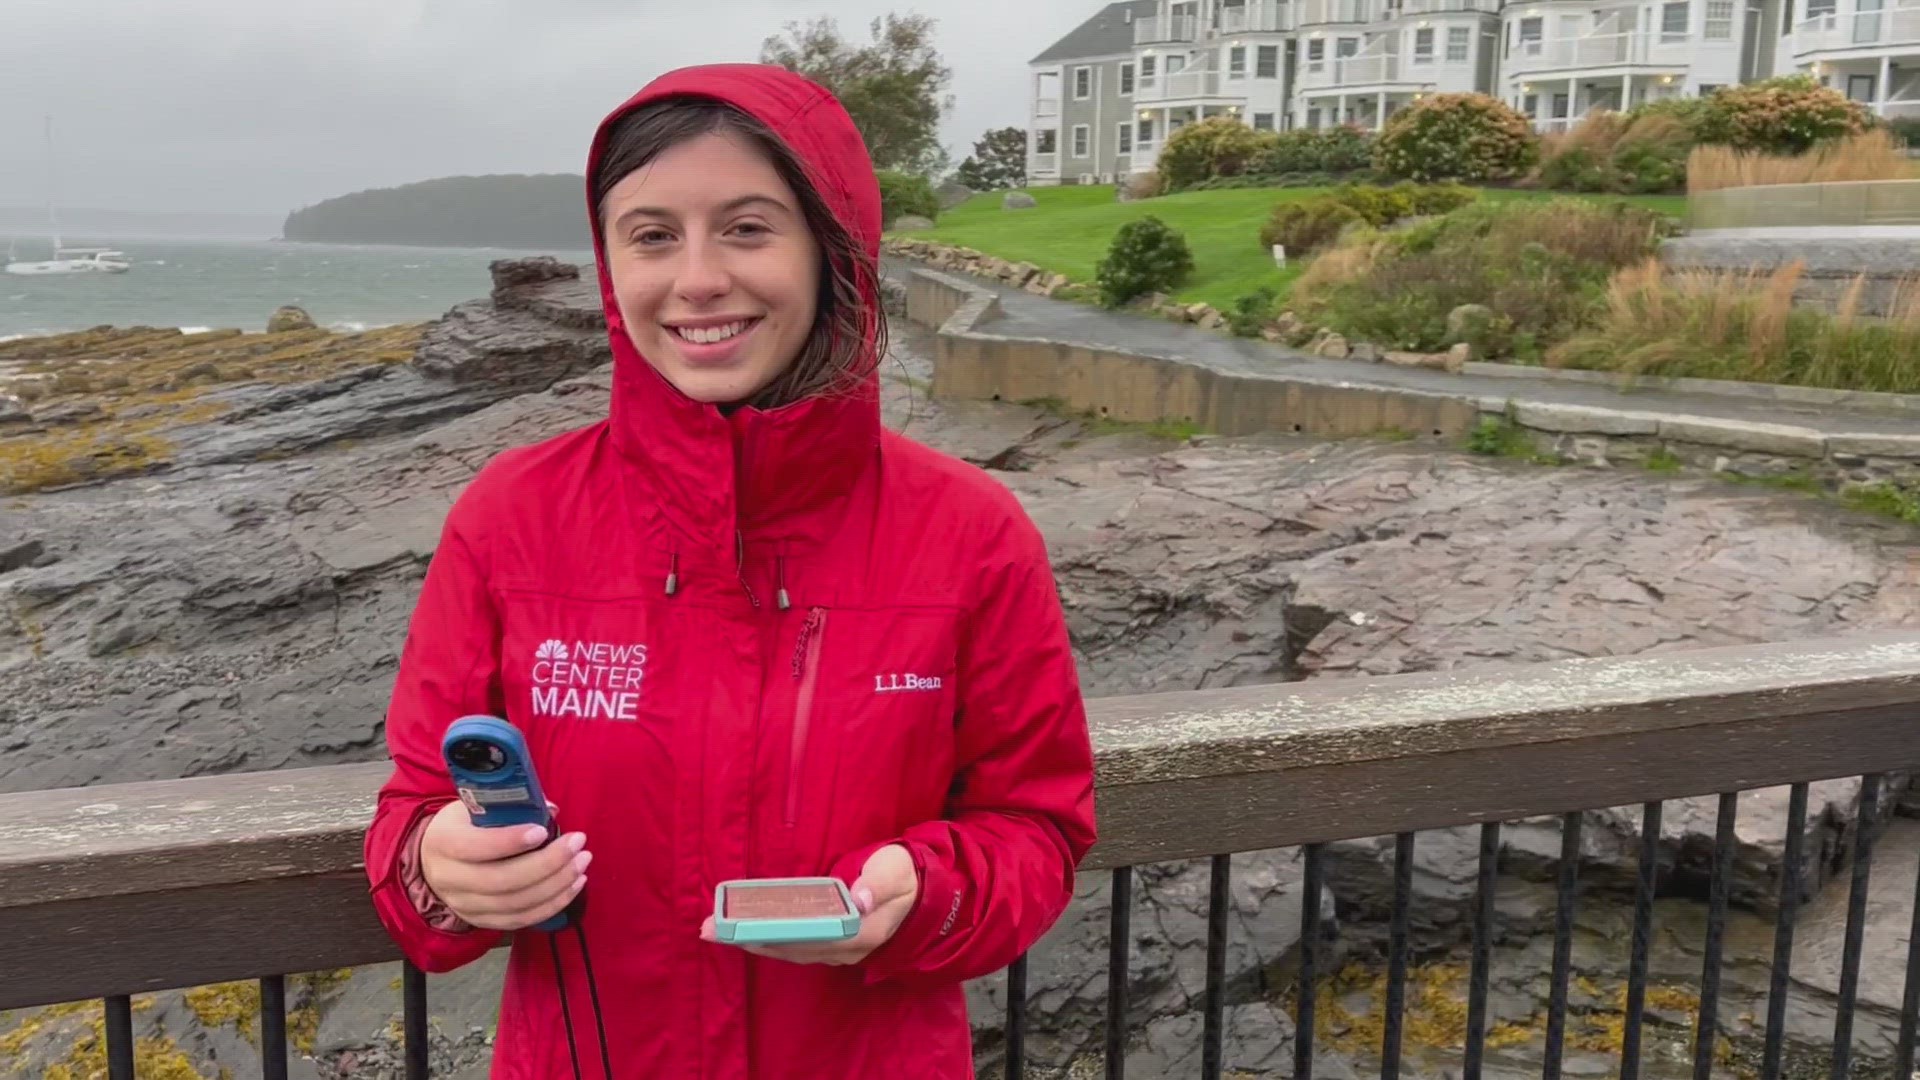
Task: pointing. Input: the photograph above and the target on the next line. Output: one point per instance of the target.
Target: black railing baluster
(1783, 933)
(119, 1037)
(1910, 1001)
(413, 994)
(1017, 1019)
(1119, 946)
(1562, 943)
(1477, 977)
(273, 1027)
(1397, 957)
(1214, 1032)
(1707, 1031)
(1642, 938)
(1856, 928)
(1309, 958)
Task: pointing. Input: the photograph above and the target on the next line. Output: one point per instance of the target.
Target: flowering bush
(1456, 137)
(1785, 115)
(1216, 146)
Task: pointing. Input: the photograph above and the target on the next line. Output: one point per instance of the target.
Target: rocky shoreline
(233, 598)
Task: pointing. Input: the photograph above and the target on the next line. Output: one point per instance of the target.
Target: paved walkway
(1027, 315)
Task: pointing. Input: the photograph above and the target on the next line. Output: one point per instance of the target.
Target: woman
(748, 633)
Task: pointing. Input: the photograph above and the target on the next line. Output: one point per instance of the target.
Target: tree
(894, 87)
(999, 160)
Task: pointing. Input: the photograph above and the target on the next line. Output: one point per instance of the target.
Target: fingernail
(577, 841)
(863, 897)
(581, 860)
(534, 834)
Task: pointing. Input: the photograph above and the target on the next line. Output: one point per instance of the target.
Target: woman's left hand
(884, 894)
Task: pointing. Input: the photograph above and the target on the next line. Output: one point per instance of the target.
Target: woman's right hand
(500, 878)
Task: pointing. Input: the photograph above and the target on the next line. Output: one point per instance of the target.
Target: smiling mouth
(713, 335)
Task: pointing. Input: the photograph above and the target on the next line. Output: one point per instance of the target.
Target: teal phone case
(783, 931)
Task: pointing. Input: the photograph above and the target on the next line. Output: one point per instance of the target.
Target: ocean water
(220, 284)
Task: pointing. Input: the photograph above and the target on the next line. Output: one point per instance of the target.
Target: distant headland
(538, 212)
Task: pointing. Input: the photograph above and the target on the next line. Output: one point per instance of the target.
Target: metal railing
(95, 910)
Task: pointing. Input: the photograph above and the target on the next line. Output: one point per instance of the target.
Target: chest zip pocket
(806, 669)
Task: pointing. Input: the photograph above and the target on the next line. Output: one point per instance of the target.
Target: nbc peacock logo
(553, 650)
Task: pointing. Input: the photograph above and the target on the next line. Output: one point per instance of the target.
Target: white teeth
(707, 335)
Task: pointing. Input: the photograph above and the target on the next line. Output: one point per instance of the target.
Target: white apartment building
(1105, 96)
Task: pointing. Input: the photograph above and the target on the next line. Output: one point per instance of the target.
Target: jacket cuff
(935, 913)
(413, 880)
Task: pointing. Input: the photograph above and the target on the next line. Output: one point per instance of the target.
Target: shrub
(1744, 325)
(1308, 224)
(1429, 199)
(1333, 150)
(1251, 312)
(1146, 256)
(1216, 146)
(903, 193)
(1456, 137)
(1906, 129)
(1790, 114)
(1639, 153)
(1538, 269)
(1143, 185)
(1874, 155)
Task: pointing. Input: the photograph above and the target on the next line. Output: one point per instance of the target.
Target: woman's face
(714, 269)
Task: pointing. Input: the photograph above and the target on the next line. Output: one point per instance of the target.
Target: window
(1046, 141)
(1082, 140)
(1125, 137)
(1459, 44)
(1316, 51)
(1347, 46)
(1263, 121)
(1673, 21)
(1266, 62)
(1719, 20)
(1531, 31)
(1237, 62)
(1146, 70)
(1423, 46)
(1146, 132)
(1126, 78)
(1530, 105)
(1082, 83)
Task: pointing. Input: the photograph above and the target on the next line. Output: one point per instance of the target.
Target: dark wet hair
(848, 337)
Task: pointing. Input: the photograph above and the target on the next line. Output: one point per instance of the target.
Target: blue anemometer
(494, 776)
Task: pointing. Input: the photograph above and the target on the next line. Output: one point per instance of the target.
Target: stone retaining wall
(974, 361)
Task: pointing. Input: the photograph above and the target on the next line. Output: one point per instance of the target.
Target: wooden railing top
(70, 843)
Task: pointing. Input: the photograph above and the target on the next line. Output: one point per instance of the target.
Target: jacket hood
(717, 474)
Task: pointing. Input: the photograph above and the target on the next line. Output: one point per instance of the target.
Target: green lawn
(1070, 229)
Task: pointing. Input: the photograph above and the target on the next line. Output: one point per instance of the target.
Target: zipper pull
(807, 630)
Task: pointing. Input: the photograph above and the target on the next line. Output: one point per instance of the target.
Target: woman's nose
(703, 273)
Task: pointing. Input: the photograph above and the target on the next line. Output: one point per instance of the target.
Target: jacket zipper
(806, 668)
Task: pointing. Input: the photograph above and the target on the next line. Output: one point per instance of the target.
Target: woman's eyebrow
(727, 207)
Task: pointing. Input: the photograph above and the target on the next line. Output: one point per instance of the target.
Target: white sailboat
(67, 260)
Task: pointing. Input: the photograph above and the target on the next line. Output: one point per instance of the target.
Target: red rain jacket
(917, 688)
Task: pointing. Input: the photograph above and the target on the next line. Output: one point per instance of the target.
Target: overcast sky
(257, 105)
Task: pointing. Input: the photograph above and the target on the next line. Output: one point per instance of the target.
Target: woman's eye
(652, 236)
(750, 228)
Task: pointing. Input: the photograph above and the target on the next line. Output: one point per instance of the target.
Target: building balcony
(1046, 106)
(1633, 49)
(1181, 86)
(1349, 71)
(1360, 12)
(1043, 164)
(1264, 17)
(1835, 32)
(1169, 31)
(1328, 12)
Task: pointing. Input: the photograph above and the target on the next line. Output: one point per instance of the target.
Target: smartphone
(784, 911)
(494, 776)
